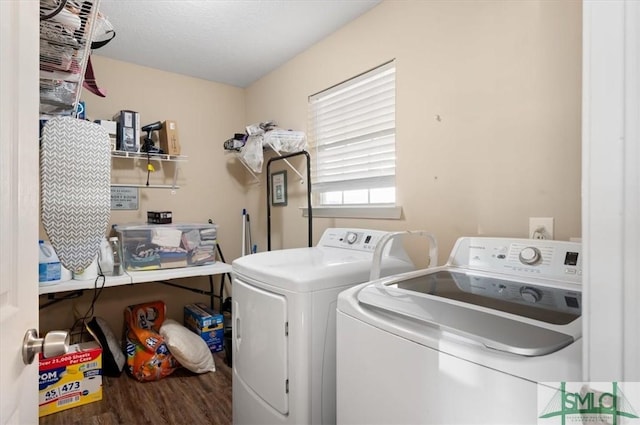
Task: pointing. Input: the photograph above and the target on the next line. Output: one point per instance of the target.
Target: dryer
(467, 342)
(284, 310)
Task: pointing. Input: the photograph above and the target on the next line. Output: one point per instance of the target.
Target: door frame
(611, 190)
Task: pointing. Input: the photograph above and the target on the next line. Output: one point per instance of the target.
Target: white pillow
(187, 347)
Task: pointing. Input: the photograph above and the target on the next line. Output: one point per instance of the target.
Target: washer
(284, 310)
(463, 343)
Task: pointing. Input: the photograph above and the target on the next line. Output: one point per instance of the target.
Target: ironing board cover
(75, 188)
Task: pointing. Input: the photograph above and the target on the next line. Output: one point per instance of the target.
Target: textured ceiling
(234, 42)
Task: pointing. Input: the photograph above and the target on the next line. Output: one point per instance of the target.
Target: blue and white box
(207, 323)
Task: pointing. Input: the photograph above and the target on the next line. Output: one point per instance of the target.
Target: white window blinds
(353, 133)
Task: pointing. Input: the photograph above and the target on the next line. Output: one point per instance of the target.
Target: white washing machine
(464, 343)
(284, 311)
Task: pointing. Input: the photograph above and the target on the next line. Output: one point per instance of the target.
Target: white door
(19, 207)
(260, 343)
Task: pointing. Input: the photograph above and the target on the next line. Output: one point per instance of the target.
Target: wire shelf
(65, 46)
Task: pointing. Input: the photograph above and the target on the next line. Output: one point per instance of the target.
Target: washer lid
(505, 315)
(316, 268)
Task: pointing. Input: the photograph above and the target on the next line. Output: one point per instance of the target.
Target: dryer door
(260, 342)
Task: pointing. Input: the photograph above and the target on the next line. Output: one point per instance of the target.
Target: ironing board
(75, 188)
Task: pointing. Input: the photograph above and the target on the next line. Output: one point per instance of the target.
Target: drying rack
(308, 179)
(65, 46)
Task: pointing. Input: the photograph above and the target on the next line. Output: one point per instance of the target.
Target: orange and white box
(72, 379)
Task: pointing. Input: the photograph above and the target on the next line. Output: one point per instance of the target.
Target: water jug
(105, 258)
(49, 267)
(118, 266)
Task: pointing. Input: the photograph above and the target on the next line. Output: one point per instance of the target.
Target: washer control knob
(530, 256)
(351, 238)
(530, 295)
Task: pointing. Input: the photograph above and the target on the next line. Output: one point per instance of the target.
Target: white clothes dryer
(464, 343)
(284, 310)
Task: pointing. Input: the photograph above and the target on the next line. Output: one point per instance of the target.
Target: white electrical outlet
(541, 227)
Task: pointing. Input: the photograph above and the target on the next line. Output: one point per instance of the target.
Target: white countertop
(133, 277)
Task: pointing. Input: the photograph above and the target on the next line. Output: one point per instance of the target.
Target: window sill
(393, 213)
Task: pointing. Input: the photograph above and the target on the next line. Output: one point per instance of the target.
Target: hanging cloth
(90, 83)
(103, 34)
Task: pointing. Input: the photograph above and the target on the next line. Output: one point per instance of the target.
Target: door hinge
(286, 328)
(286, 386)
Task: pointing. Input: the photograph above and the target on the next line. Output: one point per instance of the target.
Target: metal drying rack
(308, 181)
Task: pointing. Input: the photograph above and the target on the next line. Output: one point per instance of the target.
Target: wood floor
(181, 398)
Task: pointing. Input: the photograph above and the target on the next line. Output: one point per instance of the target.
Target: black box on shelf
(159, 217)
(128, 131)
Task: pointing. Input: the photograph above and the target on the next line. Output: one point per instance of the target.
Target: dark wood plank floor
(181, 398)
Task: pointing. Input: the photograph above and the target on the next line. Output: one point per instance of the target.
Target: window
(353, 139)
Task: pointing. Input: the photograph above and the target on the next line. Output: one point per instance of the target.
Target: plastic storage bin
(166, 246)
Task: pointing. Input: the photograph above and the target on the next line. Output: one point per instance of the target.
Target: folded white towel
(166, 237)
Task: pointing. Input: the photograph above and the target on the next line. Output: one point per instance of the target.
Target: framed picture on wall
(279, 188)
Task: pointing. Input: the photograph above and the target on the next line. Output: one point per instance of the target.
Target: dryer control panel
(549, 259)
(355, 239)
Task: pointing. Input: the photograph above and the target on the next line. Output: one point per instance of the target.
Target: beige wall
(210, 185)
(505, 79)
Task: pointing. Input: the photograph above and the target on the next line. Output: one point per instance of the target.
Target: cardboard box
(110, 126)
(128, 131)
(112, 129)
(70, 380)
(207, 323)
(169, 141)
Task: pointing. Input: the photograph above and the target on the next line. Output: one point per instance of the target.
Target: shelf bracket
(175, 178)
(283, 157)
(257, 180)
(287, 162)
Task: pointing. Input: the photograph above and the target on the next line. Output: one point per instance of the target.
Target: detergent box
(72, 379)
(206, 323)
